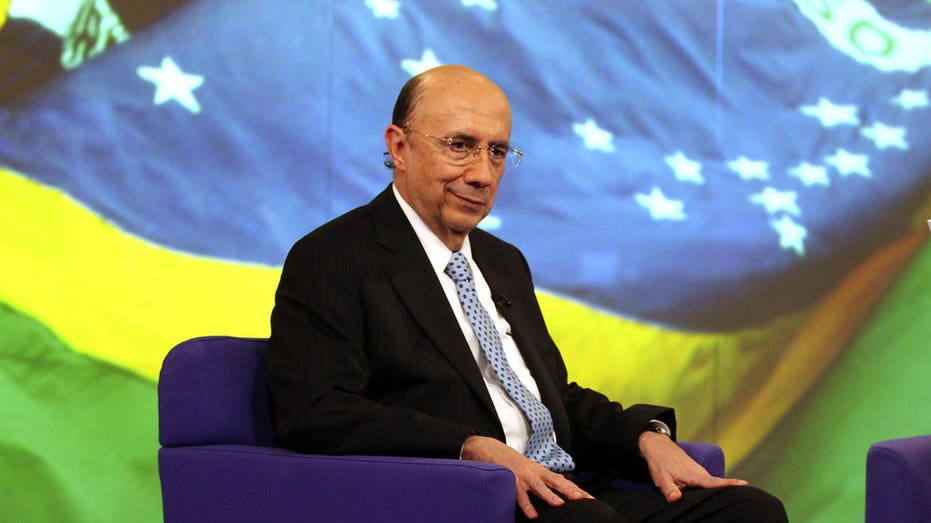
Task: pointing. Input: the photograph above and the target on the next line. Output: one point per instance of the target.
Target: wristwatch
(658, 426)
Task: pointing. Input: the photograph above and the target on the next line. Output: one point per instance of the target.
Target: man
(401, 329)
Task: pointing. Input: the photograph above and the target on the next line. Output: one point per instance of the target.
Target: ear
(396, 142)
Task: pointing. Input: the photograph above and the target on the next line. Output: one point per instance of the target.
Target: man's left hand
(672, 469)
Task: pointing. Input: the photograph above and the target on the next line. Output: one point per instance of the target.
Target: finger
(709, 481)
(729, 482)
(667, 485)
(547, 495)
(569, 489)
(555, 489)
(672, 494)
(574, 493)
(523, 502)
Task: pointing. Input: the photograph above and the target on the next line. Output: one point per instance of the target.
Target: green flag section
(78, 436)
(816, 460)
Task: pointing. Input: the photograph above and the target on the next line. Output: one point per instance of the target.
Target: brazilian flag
(723, 205)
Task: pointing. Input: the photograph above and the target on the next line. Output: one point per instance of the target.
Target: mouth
(477, 201)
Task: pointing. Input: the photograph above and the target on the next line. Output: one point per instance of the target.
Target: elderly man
(401, 329)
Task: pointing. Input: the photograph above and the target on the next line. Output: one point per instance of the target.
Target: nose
(481, 173)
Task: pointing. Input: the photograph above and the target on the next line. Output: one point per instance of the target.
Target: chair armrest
(707, 455)
(898, 480)
(246, 483)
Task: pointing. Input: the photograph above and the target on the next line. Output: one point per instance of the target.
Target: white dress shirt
(516, 427)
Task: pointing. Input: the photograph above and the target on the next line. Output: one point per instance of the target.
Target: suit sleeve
(607, 434)
(319, 374)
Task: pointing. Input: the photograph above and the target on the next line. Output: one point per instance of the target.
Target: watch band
(658, 426)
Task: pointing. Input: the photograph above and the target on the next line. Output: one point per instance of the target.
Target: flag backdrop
(723, 204)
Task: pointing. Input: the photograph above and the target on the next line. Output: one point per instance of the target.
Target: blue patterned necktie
(541, 448)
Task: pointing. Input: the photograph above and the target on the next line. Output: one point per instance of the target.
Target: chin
(463, 227)
(466, 221)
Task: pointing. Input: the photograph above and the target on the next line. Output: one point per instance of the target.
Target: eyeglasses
(461, 151)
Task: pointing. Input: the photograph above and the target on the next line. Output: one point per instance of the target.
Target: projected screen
(727, 188)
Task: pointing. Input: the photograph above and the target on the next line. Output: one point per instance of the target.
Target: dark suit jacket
(366, 356)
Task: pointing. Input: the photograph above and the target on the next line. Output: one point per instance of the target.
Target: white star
(427, 61)
(491, 5)
(810, 174)
(384, 8)
(594, 136)
(172, 84)
(884, 136)
(791, 235)
(749, 169)
(831, 114)
(910, 99)
(775, 201)
(660, 207)
(686, 170)
(848, 163)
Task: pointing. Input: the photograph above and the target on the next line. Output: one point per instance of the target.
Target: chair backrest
(213, 390)
(898, 480)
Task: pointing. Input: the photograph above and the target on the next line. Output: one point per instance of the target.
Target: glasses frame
(446, 144)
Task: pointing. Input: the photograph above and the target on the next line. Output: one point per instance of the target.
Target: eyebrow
(473, 140)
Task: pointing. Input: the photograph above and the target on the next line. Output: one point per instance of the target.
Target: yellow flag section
(731, 388)
(4, 7)
(111, 295)
(120, 299)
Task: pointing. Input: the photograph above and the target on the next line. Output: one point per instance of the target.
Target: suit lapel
(409, 271)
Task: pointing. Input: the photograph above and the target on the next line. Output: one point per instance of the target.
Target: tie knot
(458, 267)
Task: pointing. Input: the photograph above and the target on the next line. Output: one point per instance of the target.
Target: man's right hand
(531, 476)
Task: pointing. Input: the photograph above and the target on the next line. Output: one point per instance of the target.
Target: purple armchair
(220, 459)
(898, 481)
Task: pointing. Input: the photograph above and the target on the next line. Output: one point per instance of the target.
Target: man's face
(451, 199)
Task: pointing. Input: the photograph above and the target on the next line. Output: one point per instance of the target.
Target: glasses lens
(461, 152)
(458, 151)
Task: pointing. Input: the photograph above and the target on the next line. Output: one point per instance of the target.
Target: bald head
(442, 80)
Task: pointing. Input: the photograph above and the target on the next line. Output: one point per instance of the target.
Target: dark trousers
(717, 505)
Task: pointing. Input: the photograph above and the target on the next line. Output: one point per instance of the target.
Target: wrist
(654, 430)
(475, 448)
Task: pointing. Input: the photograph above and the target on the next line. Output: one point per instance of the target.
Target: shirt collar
(437, 251)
